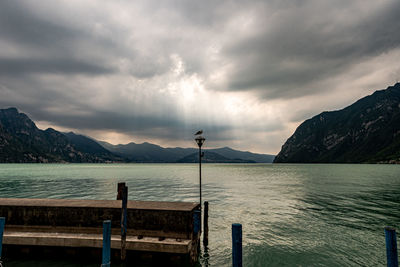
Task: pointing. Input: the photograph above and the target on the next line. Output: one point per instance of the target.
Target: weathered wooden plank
(152, 244)
(90, 203)
(92, 230)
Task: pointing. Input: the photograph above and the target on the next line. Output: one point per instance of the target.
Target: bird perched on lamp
(199, 132)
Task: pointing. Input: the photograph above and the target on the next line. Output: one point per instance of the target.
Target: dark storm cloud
(198, 14)
(19, 24)
(12, 67)
(42, 45)
(294, 47)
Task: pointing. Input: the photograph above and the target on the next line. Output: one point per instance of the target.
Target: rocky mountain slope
(367, 131)
(21, 141)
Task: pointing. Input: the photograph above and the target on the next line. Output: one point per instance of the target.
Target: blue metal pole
(2, 223)
(237, 245)
(124, 222)
(106, 262)
(196, 221)
(391, 247)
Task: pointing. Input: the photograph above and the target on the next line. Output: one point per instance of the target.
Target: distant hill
(244, 155)
(21, 141)
(88, 145)
(147, 152)
(367, 131)
(211, 157)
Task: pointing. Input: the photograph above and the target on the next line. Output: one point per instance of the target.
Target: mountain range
(22, 142)
(367, 131)
(147, 152)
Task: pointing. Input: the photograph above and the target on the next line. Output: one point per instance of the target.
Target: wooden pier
(166, 228)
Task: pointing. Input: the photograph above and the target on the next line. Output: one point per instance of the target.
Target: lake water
(292, 214)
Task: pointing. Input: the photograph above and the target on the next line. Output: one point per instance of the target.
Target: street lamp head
(200, 140)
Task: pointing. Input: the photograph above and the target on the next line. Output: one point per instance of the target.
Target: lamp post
(200, 141)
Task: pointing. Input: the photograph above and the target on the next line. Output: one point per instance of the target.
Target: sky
(246, 72)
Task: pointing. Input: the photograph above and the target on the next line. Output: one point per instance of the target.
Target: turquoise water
(292, 215)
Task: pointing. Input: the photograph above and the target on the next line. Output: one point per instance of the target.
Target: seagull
(199, 132)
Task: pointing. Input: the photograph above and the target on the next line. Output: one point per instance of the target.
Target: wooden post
(123, 222)
(205, 227)
(106, 262)
(2, 223)
(120, 190)
(237, 245)
(391, 247)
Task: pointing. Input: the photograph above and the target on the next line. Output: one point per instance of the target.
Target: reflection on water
(292, 215)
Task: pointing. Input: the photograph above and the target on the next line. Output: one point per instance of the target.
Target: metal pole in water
(106, 262)
(391, 247)
(2, 223)
(200, 141)
(124, 222)
(237, 245)
(200, 173)
(205, 227)
(196, 221)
